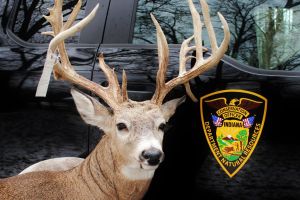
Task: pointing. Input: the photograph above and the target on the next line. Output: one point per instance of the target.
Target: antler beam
(64, 70)
(113, 94)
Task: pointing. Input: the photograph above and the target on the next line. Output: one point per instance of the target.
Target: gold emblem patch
(232, 121)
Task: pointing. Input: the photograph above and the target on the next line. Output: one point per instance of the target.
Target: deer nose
(153, 156)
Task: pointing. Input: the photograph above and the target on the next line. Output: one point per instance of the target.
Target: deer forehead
(139, 114)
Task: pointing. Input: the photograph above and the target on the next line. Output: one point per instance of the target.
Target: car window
(263, 32)
(29, 22)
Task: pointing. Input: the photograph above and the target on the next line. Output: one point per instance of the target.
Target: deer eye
(122, 127)
(162, 127)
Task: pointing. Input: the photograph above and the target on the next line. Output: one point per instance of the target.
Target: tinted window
(263, 32)
(29, 21)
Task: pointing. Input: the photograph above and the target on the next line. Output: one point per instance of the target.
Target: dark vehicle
(263, 58)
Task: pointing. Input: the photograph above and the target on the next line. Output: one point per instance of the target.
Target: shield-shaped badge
(232, 122)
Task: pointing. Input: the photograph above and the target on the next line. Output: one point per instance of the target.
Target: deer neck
(102, 174)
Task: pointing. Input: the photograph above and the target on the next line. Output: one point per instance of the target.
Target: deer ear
(168, 109)
(91, 111)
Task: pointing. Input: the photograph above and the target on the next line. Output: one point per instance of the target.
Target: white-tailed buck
(123, 163)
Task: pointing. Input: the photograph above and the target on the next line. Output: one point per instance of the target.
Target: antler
(113, 95)
(64, 70)
(201, 65)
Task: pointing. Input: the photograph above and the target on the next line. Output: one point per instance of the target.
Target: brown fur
(98, 177)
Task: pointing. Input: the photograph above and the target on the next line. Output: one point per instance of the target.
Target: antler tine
(61, 36)
(209, 26)
(73, 15)
(182, 64)
(113, 83)
(55, 15)
(124, 86)
(197, 25)
(70, 20)
(182, 54)
(201, 64)
(163, 57)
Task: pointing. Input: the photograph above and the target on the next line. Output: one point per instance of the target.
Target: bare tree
(29, 20)
(276, 37)
(239, 14)
(292, 63)
(4, 15)
(291, 3)
(171, 17)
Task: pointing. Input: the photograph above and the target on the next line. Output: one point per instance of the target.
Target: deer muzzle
(152, 156)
